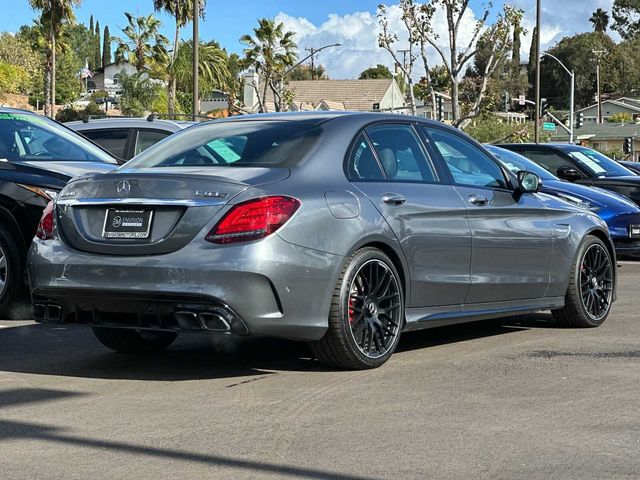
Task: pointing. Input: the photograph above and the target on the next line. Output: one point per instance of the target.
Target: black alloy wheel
(596, 281)
(374, 308)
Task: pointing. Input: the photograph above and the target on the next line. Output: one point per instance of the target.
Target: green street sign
(549, 127)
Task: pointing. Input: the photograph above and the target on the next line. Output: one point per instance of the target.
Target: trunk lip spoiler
(200, 202)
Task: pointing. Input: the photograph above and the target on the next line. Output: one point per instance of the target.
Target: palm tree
(54, 14)
(212, 65)
(143, 42)
(182, 11)
(600, 20)
(271, 52)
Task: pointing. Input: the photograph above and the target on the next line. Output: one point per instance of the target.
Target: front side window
(468, 165)
(25, 137)
(598, 164)
(233, 144)
(548, 159)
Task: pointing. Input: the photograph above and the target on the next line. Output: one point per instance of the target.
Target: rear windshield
(235, 144)
(26, 137)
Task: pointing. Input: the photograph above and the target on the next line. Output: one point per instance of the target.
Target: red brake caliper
(352, 313)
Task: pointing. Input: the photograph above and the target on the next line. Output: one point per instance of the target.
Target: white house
(106, 78)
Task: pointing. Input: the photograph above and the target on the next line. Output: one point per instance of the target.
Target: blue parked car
(621, 214)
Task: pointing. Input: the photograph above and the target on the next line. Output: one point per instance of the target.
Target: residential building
(605, 137)
(106, 78)
(612, 107)
(351, 95)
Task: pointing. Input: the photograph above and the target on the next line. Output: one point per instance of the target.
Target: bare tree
(454, 54)
(388, 40)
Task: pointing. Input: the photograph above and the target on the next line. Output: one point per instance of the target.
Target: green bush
(68, 114)
(13, 79)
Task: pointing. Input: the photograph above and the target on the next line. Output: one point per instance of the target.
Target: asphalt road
(511, 399)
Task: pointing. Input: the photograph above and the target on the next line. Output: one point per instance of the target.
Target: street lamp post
(196, 61)
(572, 76)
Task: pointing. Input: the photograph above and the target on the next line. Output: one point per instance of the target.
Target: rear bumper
(270, 287)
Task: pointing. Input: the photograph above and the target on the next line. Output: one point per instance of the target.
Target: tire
(11, 272)
(373, 314)
(588, 281)
(133, 341)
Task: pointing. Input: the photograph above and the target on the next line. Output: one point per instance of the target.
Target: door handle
(478, 200)
(393, 199)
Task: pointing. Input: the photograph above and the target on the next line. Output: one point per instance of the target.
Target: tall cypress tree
(515, 54)
(533, 55)
(91, 23)
(97, 56)
(106, 47)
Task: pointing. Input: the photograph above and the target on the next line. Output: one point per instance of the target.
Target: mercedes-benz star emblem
(123, 188)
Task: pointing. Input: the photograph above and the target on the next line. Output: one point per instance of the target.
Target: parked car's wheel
(133, 341)
(590, 292)
(367, 313)
(11, 271)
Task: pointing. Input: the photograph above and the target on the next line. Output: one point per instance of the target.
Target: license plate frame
(127, 223)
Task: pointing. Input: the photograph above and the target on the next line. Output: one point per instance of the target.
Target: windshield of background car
(516, 162)
(598, 164)
(233, 144)
(25, 137)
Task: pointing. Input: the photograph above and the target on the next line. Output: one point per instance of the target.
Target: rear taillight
(253, 220)
(45, 227)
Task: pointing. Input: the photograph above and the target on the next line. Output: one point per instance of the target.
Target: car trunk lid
(152, 211)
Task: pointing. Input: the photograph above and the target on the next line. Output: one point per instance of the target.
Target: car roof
(125, 122)
(17, 110)
(546, 146)
(324, 116)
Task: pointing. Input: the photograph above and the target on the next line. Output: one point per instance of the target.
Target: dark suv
(125, 138)
(37, 158)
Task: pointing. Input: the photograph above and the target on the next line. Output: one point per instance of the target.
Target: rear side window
(400, 153)
(363, 164)
(148, 138)
(266, 143)
(113, 141)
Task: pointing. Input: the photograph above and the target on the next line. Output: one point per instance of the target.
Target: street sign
(521, 100)
(549, 127)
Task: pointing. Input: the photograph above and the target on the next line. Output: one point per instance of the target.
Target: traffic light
(544, 107)
(627, 145)
(440, 108)
(579, 120)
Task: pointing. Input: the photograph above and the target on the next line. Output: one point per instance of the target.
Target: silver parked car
(341, 229)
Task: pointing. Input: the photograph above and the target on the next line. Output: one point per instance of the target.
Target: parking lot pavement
(516, 398)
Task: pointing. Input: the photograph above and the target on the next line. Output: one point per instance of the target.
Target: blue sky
(317, 23)
(225, 21)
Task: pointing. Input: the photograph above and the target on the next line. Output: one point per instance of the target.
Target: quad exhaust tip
(211, 321)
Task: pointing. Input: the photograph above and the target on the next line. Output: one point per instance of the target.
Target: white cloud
(358, 33)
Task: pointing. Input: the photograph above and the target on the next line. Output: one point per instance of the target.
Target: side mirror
(568, 173)
(528, 182)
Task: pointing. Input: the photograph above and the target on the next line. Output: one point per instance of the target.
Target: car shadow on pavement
(74, 351)
(14, 430)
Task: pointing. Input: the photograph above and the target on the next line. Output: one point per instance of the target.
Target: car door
(390, 165)
(512, 237)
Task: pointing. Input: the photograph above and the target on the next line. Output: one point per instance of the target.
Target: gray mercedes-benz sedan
(340, 229)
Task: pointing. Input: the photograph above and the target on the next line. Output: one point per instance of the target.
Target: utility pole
(537, 87)
(53, 61)
(196, 60)
(598, 53)
(404, 52)
(312, 53)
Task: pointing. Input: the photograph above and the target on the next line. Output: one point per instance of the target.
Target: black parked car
(582, 165)
(125, 138)
(37, 158)
(633, 166)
